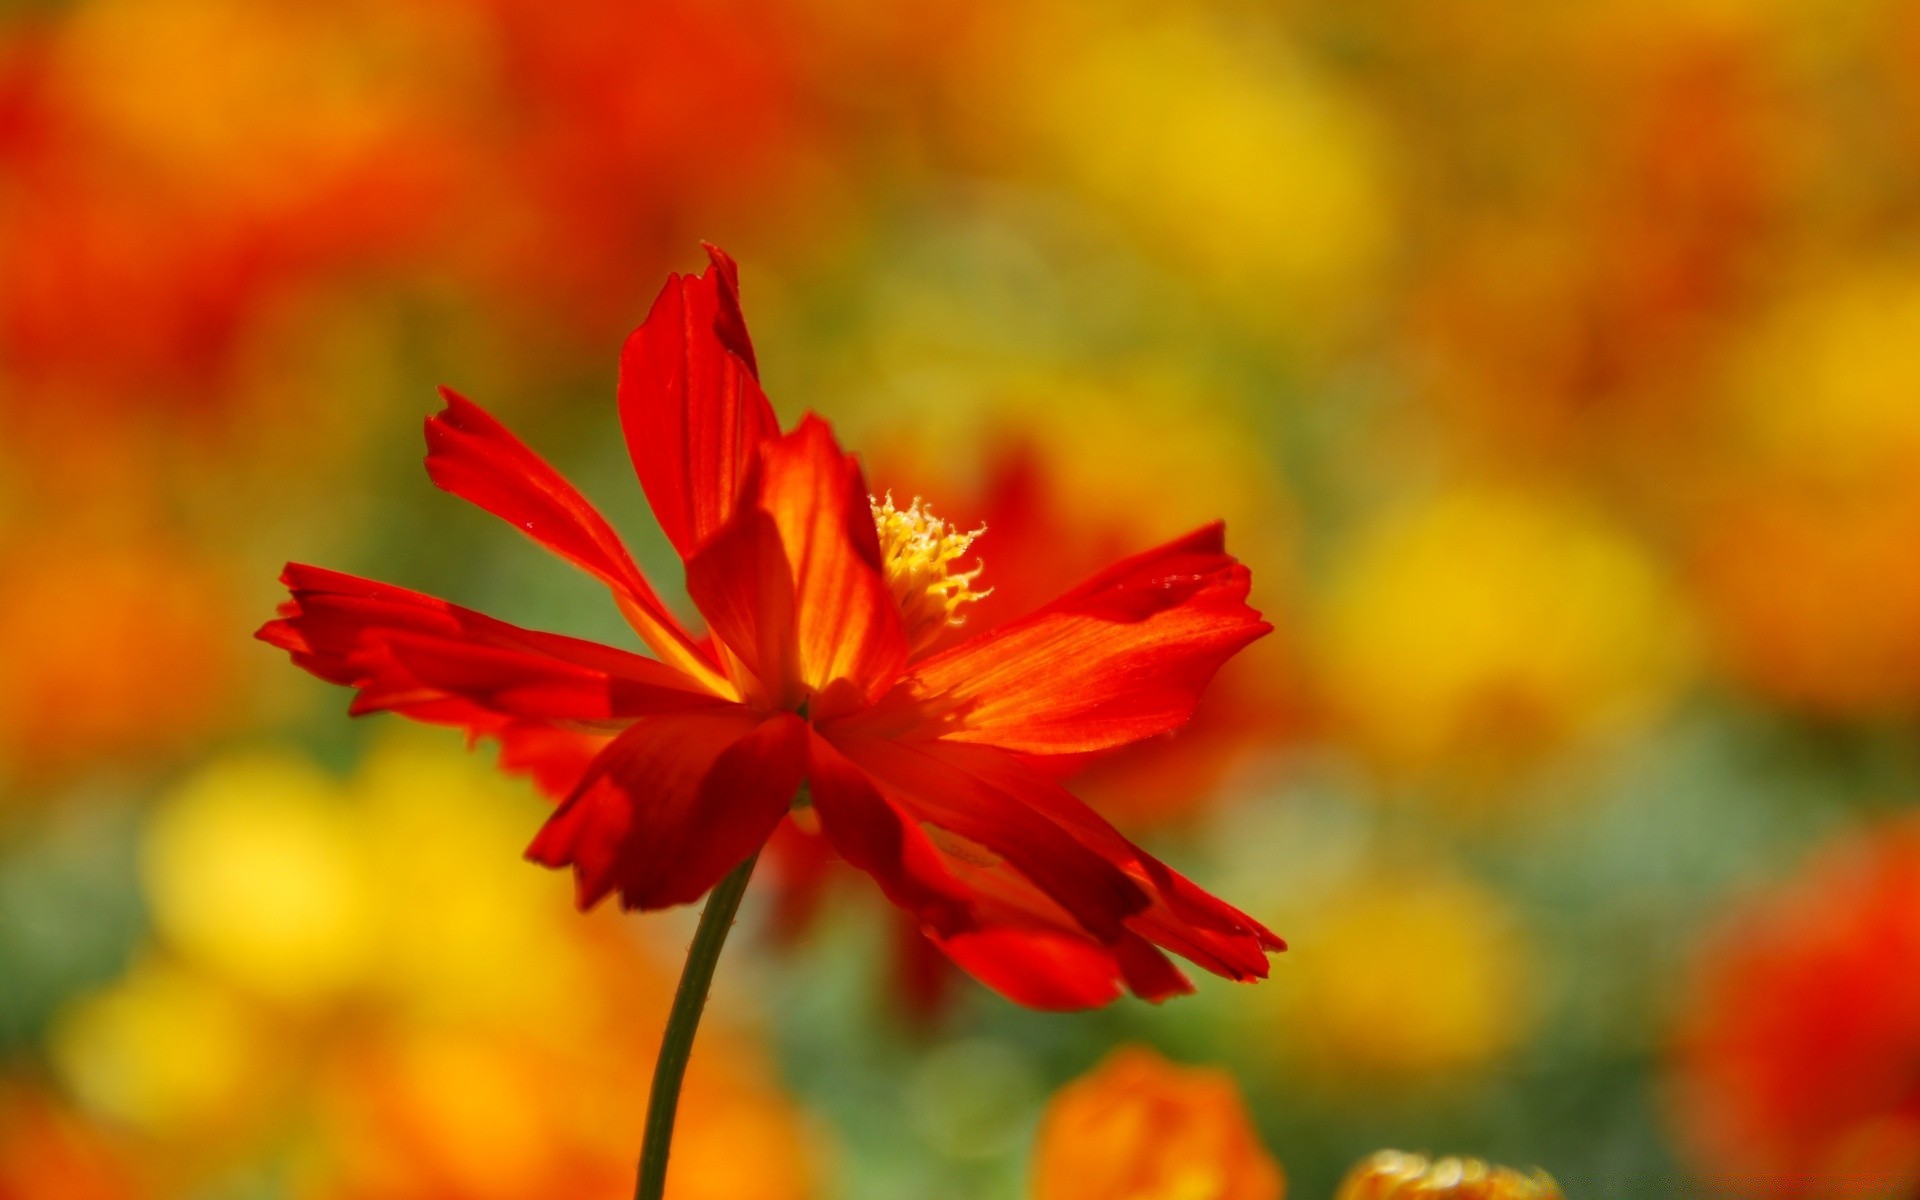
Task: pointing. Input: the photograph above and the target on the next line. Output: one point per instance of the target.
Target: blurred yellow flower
(1804, 556)
(1141, 1128)
(1825, 385)
(1227, 153)
(169, 1052)
(363, 967)
(1404, 975)
(1391, 1175)
(1487, 628)
(253, 870)
(442, 836)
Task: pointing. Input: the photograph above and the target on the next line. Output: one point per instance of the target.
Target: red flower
(926, 770)
(1796, 1057)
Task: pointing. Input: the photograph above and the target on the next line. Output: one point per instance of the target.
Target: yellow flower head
(919, 552)
(1392, 1175)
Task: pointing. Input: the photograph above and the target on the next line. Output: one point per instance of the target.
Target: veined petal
(793, 586)
(691, 405)
(1122, 657)
(475, 457)
(673, 804)
(743, 585)
(978, 909)
(975, 820)
(877, 837)
(434, 661)
(1180, 916)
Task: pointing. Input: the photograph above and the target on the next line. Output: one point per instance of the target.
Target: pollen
(920, 552)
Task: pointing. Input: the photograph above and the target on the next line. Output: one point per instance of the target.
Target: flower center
(919, 551)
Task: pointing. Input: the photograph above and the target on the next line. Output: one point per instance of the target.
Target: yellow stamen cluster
(919, 551)
(1391, 1175)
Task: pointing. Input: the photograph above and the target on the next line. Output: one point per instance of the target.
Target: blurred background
(1556, 368)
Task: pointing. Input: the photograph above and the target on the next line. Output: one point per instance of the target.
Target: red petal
(1049, 971)
(690, 404)
(434, 661)
(988, 917)
(555, 759)
(475, 457)
(673, 804)
(1182, 916)
(926, 788)
(794, 587)
(1122, 657)
(876, 837)
(742, 585)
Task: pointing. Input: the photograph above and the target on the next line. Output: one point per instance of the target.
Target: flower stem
(676, 1045)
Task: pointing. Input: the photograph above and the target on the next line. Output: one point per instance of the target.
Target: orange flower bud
(1392, 1175)
(1140, 1126)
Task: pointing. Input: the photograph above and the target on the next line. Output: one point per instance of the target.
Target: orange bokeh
(1138, 1125)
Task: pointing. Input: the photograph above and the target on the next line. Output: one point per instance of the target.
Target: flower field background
(1556, 370)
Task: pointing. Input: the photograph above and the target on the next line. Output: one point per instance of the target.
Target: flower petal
(986, 916)
(983, 823)
(475, 457)
(555, 759)
(793, 586)
(1122, 657)
(1063, 973)
(433, 661)
(1181, 916)
(673, 804)
(691, 404)
(1053, 972)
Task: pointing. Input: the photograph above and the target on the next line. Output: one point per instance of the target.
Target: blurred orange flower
(92, 634)
(1415, 973)
(1803, 553)
(48, 1152)
(1138, 1125)
(1485, 629)
(1798, 1045)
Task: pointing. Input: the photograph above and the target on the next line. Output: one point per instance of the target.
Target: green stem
(676, 1046)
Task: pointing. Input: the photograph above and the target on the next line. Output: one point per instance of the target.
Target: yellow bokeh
(1827, 386)
(167, 1051)
(1231, 157)
(1239, 161)
(369, 967)
(253, 870)
(443, 836)
(1804, 549)
(1484, 628)
(1402, 976)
